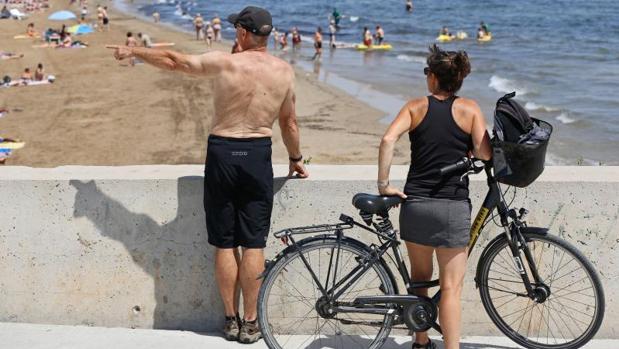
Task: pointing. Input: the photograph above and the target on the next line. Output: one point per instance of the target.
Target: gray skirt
(435, 222)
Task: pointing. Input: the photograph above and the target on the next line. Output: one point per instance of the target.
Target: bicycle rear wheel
(571, 308)
(289, 303)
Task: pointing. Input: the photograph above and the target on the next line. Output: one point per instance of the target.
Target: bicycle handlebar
(463, 166)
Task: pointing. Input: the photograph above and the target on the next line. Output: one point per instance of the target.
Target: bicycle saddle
(375, 203)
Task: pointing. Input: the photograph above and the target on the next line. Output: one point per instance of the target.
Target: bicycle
(331, 290)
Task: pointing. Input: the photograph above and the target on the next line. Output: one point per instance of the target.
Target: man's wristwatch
(296, 159)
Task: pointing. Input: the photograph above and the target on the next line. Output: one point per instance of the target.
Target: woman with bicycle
(443, 128)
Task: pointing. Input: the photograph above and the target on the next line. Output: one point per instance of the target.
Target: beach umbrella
(62, 16)
(80, 29)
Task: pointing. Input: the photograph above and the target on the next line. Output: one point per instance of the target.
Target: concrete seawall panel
(127, 246)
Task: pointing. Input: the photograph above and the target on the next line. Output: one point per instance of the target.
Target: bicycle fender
(320, 238)
(497, 240)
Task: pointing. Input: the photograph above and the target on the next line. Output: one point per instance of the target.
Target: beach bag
(519, 143)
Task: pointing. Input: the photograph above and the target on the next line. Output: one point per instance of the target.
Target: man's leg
(227, 263)
(252, 265)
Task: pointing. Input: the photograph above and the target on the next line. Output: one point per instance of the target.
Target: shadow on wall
(176, 254)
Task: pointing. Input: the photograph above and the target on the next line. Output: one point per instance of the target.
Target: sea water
(561, 57)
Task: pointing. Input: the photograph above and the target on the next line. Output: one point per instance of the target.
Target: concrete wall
(126, 246)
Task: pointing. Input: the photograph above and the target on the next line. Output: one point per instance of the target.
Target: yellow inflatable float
(383, 47)
(485, 38)
(445, 38)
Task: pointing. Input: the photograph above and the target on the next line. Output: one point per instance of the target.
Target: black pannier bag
(519, 143)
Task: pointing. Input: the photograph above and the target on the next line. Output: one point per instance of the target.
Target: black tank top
(437, 142)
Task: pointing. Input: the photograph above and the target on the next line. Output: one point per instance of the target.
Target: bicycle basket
(518, 161)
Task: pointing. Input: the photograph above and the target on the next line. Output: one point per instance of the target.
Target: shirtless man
(252, 90)
(317, 43)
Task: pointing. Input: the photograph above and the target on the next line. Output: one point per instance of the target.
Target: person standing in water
(409, 5)
(296, 38)
(336, 16)
(252, 89)
(317, 43)
(275, 38)
(283, 41)
(332, 31)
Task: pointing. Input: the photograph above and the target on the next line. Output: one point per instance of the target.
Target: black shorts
(238, 191)
(318, 44)
(106, 20)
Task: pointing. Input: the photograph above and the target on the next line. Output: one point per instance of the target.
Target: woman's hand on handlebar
(391, 191)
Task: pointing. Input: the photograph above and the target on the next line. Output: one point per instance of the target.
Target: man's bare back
(250, 94)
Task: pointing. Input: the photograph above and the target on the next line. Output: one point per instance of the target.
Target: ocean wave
(565, 119)
(503, 85)
(354, 18)
(539, 107)
(408, 58)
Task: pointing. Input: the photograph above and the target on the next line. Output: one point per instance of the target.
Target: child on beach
(209, 33)
(131, 42)
(30, 30)
(39, 73)
(156, 16)
(26, 76)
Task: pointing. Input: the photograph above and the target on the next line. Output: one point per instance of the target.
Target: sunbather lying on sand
(9, 55)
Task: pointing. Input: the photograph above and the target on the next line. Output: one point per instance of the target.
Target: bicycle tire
(286, 260)
(500, 321)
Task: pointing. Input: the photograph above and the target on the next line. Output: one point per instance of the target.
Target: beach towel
(162, 44)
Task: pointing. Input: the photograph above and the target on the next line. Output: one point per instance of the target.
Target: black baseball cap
(255, 19)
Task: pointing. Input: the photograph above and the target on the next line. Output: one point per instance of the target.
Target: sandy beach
(100, 112)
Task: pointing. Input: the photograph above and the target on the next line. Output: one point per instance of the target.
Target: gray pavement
(34, 336)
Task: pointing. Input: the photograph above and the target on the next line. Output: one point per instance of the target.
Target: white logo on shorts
(239, 153)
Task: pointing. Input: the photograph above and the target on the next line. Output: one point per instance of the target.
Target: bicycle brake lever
(466, 174)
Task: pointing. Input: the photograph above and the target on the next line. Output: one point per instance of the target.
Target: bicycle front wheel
(570, 308)
(291, 307)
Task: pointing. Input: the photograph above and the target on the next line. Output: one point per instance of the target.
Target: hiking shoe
(232, 328)
(250, 332)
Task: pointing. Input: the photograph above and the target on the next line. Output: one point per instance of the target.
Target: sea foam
(506, 86)
(538, 107)
(565, 119)
(407, 58)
